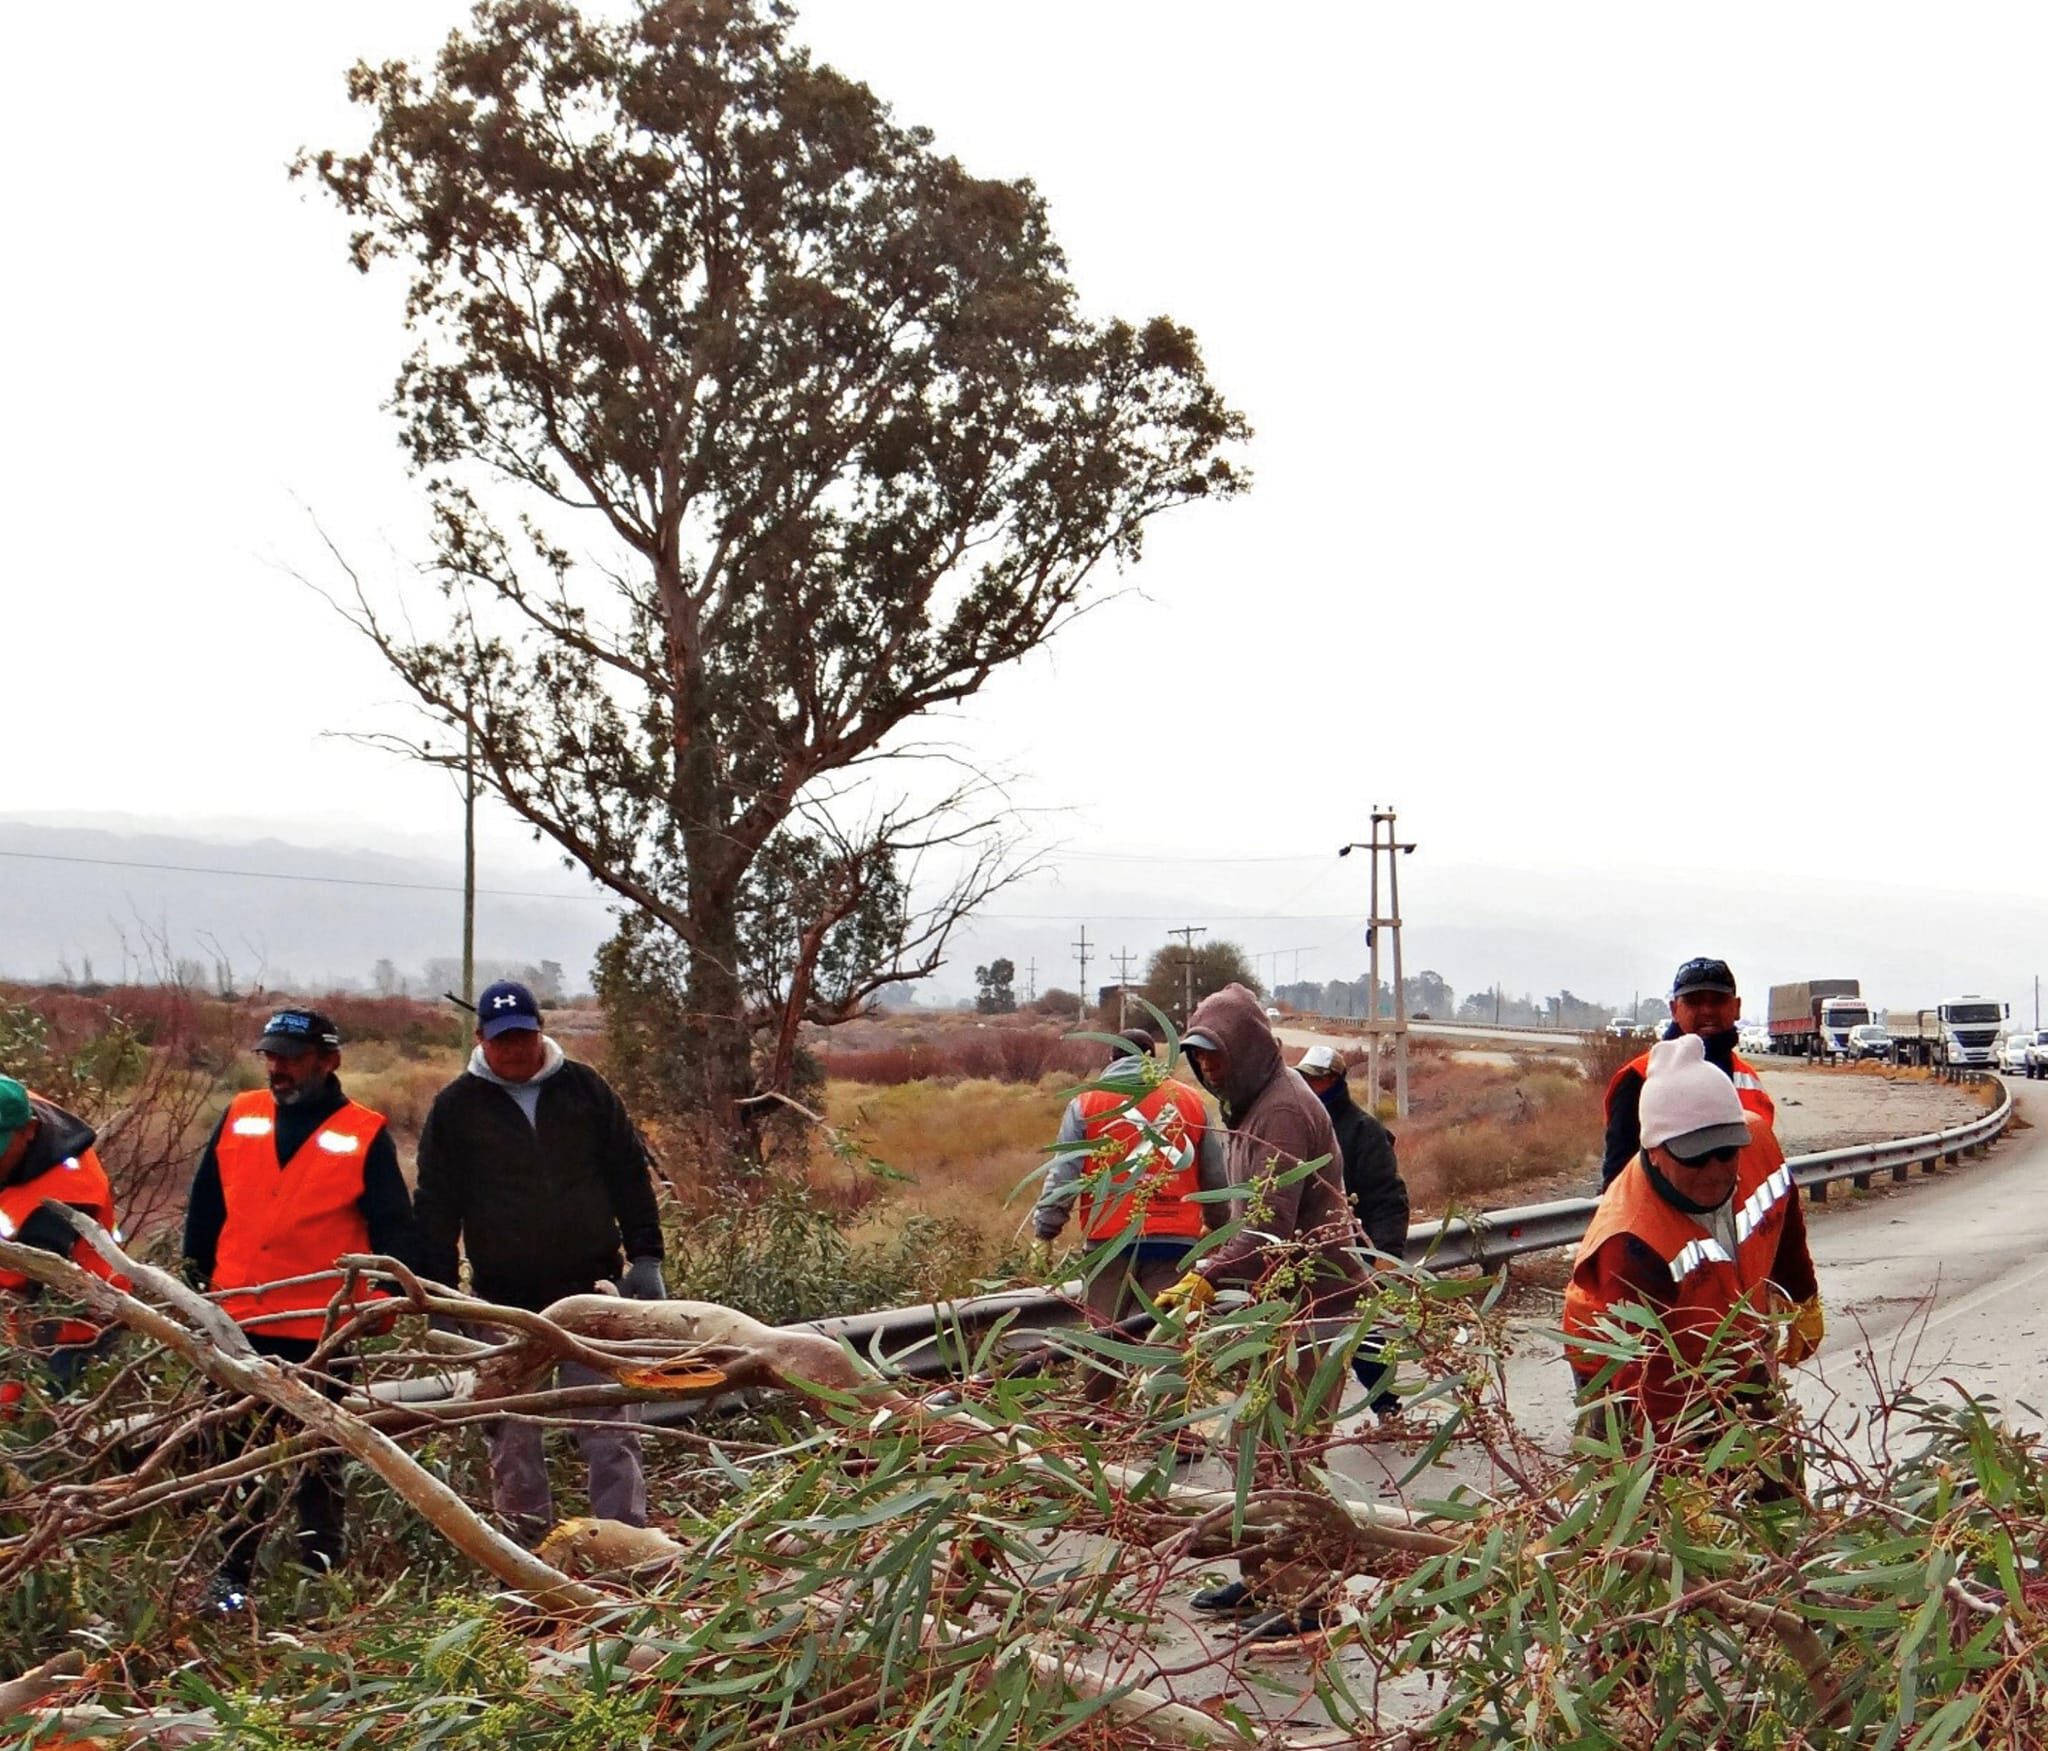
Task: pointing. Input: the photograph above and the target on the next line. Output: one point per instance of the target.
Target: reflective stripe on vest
(1749, 1086)
(79, 1181)
(1147, 1154)
(288, 1220)
(1702, 1297)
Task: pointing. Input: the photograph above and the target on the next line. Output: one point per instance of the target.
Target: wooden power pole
(1187, 933)
(1385, 842)
(1081, 947)
(1123, 958)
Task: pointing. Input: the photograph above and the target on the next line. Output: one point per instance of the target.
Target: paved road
(1942, 1277)
(1475, 1046)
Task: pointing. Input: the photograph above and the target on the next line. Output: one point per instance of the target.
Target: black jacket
(1371, 1175)
(542, 1208)
(385, 1203)
(59, 1136)
(1625, 1100)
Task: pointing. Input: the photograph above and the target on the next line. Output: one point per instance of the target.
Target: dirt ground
(1831, 1109)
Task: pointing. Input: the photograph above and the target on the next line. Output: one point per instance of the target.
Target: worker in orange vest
(295, 1175)
(1131, 1153)
(1705, 1229)
(47, 1158)
(1706, 1004)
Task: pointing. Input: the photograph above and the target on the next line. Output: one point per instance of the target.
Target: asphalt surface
(1943, 1277)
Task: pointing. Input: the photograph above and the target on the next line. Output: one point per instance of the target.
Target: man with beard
(1704, 1002)
(295, 1175)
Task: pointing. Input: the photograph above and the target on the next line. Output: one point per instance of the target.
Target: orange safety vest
(1708, 1285)
(1145, 1152)
(292, 1218)
(1749, 1086)
(81, 1182)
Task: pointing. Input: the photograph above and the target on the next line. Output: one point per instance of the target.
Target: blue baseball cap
(290, 1032)
(505, 1006)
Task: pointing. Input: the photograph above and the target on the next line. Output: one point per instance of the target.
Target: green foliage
(83, 1076)
(995, 988)
(1212, 966)
(753, 429)
(782, 1254)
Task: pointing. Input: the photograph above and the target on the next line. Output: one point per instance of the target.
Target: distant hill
(288, 915)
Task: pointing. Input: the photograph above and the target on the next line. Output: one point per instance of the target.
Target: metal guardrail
(943, 1337)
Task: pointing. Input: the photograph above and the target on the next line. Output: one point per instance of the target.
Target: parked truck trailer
(1962, 1032)
(1812, 1017)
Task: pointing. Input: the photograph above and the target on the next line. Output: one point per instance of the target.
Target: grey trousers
(611, 1448)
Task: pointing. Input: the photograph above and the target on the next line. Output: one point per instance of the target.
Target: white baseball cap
(1319, 1061)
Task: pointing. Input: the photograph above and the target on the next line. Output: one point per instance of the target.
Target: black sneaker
(227, 1594)
(1230, 1597)
(1291, 1624)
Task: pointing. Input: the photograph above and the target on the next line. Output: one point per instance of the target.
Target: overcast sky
(1650, 453)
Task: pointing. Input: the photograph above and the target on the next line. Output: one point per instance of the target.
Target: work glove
(642, 1281)
(1803, 1335)
(1190, 1295)
(1038, 1262)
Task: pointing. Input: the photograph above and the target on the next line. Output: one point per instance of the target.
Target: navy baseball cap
(1702, 974)
(292, 1031)
(505, 1006)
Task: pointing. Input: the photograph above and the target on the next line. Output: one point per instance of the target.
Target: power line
(278, 875)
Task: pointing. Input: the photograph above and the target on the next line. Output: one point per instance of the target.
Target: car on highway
(1753, 1042)
(2015, 1051)
(2037, 1057)
(1868, 1041)
(1621, 1028)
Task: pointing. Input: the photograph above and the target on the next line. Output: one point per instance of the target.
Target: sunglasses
(1719, 1157)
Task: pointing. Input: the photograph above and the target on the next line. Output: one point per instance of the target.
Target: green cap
(15, 1111)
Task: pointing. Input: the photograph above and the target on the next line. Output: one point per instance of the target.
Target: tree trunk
(729, 1126)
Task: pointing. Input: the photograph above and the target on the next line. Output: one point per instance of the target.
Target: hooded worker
(1275, 1124)
(47, 1159)
(1304, 1220)
(1704, 1228)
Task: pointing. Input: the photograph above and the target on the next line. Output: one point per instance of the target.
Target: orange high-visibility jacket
(1144, 1151)
(1708, 1287)
(1749, 1086)
(292, 1218)
(81, 1182)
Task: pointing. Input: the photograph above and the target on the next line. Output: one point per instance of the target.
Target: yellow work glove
(1190, 1295)
(1803, 1335)
(1038, 1262)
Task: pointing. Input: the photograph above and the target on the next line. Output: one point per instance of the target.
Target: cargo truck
(1813, 1016)
(1962, 1033)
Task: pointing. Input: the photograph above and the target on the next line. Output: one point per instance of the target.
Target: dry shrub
(962, 1147)
(1480, 1134)
(1601, 1055)
(403, 1089)
(996, 1054)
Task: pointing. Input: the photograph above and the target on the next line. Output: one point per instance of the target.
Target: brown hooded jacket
(1276, 1123)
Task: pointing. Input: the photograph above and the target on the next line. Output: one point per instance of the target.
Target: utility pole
(1123, 958)
(1385, 842)
(1187, 933)
(1031, 981)
(1082, 947)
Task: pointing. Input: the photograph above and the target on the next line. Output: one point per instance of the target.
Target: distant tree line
(1430, 995)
